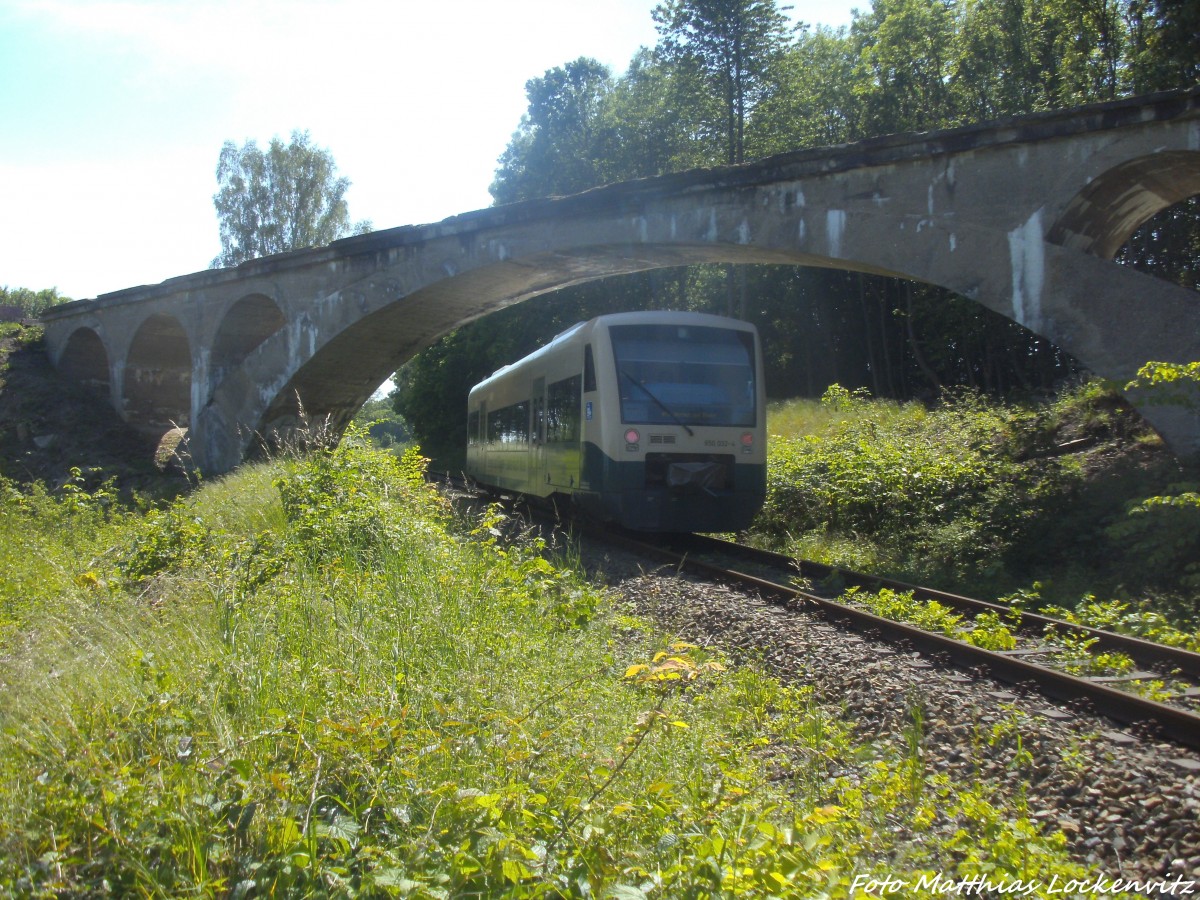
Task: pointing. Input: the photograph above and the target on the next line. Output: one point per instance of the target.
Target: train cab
(652, 420)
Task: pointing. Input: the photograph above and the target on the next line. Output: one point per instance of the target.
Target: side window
(562, 411)
(589, 369)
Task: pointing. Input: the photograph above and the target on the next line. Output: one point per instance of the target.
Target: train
(652, 421)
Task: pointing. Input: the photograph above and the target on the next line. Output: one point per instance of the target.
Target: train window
(687, 375)
(509, 425)
(518, 423)
(589, 369)
(562, 411)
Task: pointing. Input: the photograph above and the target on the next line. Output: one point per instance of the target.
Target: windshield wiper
(645, 390)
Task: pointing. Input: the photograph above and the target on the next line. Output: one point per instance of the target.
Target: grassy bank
(1061, 502)
(315, 679)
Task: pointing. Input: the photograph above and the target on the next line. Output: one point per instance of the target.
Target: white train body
(652, 420)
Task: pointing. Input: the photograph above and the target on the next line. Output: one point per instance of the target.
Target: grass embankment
(312, 679)
(1058, 503)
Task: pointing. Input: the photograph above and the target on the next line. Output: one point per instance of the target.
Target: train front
(683, 437)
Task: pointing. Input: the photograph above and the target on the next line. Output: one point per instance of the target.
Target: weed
(303, 681)
(988, 632)
(977, 497)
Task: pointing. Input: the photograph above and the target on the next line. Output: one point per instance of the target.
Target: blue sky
(114, 112)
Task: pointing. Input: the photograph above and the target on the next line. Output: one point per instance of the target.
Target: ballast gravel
(1128, 804)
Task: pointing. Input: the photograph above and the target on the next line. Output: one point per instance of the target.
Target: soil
(50, 426)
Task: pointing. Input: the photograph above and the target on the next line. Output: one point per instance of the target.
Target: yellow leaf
(635, 669)
(679, 724)
(823, 815)
(514, 871)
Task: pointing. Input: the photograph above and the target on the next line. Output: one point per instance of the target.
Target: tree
(1165, 38)
(807, 109)
(903, 49)
(288, 198)
(652, 126)
(557, 148)
(732, 47)
(31, 303)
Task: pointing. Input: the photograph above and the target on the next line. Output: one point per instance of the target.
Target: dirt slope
(49, 425)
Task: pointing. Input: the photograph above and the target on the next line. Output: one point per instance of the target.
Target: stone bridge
(1023, 216)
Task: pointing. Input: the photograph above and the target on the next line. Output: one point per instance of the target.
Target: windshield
(685, 375)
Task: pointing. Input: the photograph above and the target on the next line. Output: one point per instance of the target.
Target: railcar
(651, 420)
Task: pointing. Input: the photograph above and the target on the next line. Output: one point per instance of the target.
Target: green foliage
(383, 424)
(938, 488)
(1163, 532)
(31, 303)
(165, 539)
(982, 498)
(1074, 654)
(344, 500)
(288, 198)
(731, 50)
(904, 57)
(986, 630)
(1168, 383)
(990, 633)
(902, 607)
(558, 147)
(1126, 618)
(311, 684)
(52, 546)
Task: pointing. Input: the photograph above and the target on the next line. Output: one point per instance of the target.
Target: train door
(591, 404)
(538, 475)
(480, 460)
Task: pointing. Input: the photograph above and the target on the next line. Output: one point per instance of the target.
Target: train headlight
(747, 442)
(631, 438)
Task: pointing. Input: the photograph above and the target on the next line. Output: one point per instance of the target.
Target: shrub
(938, 489)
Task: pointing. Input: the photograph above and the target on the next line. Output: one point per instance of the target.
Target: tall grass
(1059, 500)
(303, 681)
(802, 417)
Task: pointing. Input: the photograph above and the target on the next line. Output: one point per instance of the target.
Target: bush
(939, 491)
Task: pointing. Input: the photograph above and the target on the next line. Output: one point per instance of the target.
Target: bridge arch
(333, 358)
(158, 376)
(249, 322)
(352, 359)
(85, 360)
(1102, 217)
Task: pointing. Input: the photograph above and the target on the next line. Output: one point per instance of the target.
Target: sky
(113, 112)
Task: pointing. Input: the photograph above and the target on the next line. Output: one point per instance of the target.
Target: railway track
(750, 568)
(1123, 802)
(793, 583)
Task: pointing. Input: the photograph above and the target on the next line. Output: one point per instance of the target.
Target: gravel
(1128, 804)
